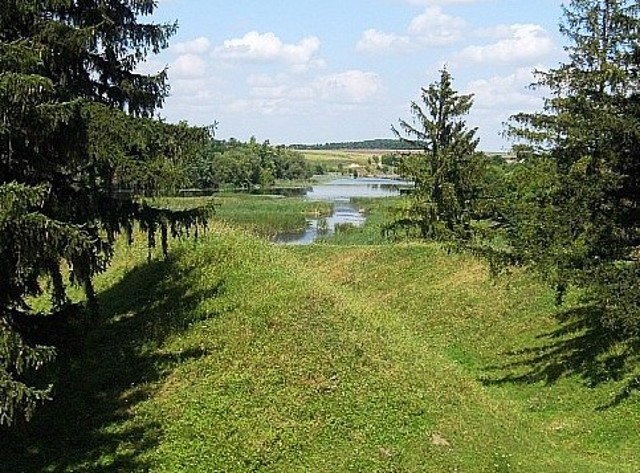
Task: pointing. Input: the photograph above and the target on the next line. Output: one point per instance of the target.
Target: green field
(235, 354)
(334, 159)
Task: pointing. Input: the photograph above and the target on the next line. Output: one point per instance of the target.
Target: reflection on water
(345, 189)
(340, 192)
(283, 191)
(343, 213)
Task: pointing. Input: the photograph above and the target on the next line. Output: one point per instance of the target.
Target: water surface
(340, 192)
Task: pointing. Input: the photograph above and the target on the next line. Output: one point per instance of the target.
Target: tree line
(232, 163)
(376, 144)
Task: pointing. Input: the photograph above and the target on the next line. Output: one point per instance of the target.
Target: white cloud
(151, 66)
(270, 91)
(350, 86)
(495, 32)
(196, 91)
(285, 94)
(262, 106)
(435, 28)
(520, 43)
(266, 80)
(496, 99)
(508, 93)
(187, 65)
(196, 46)
(375, 41)
(432, 28)
(267, 47)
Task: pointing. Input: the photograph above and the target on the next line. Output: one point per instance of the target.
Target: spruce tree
(575, 212)
(73, 112)
(447, 171)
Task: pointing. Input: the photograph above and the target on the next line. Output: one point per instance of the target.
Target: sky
(317, 71)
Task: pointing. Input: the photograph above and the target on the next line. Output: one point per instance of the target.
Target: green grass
(340, 160)
(336, 160)
(239, 355)
(269, 216)
(334, 157)
(264, 216)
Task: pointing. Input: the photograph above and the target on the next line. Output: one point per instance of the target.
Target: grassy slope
(366, 365)
(236, 355)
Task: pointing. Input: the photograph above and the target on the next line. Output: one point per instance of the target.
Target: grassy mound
(238, 355)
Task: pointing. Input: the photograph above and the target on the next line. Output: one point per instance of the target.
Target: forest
(486, 320)
(377, 144)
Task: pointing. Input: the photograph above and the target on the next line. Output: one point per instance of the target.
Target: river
(339, 193)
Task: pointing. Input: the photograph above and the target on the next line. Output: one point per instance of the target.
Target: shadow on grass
(90, 426)
(580, 346)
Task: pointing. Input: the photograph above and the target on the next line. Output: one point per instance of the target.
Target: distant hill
(377, 144)
(381, 144)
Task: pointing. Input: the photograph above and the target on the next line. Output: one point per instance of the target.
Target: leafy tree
(291, 165)
(244, 165)
(72, 111)
(575, 215)
(446, 173)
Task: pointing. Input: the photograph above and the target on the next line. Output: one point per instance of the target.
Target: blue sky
(319, 71)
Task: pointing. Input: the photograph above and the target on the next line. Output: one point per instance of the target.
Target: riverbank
(318, 211)
(239, 355)
(262, 215)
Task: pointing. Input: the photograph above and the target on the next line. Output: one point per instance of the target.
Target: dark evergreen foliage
(575, 211)
(448, 172)
(72, 126)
